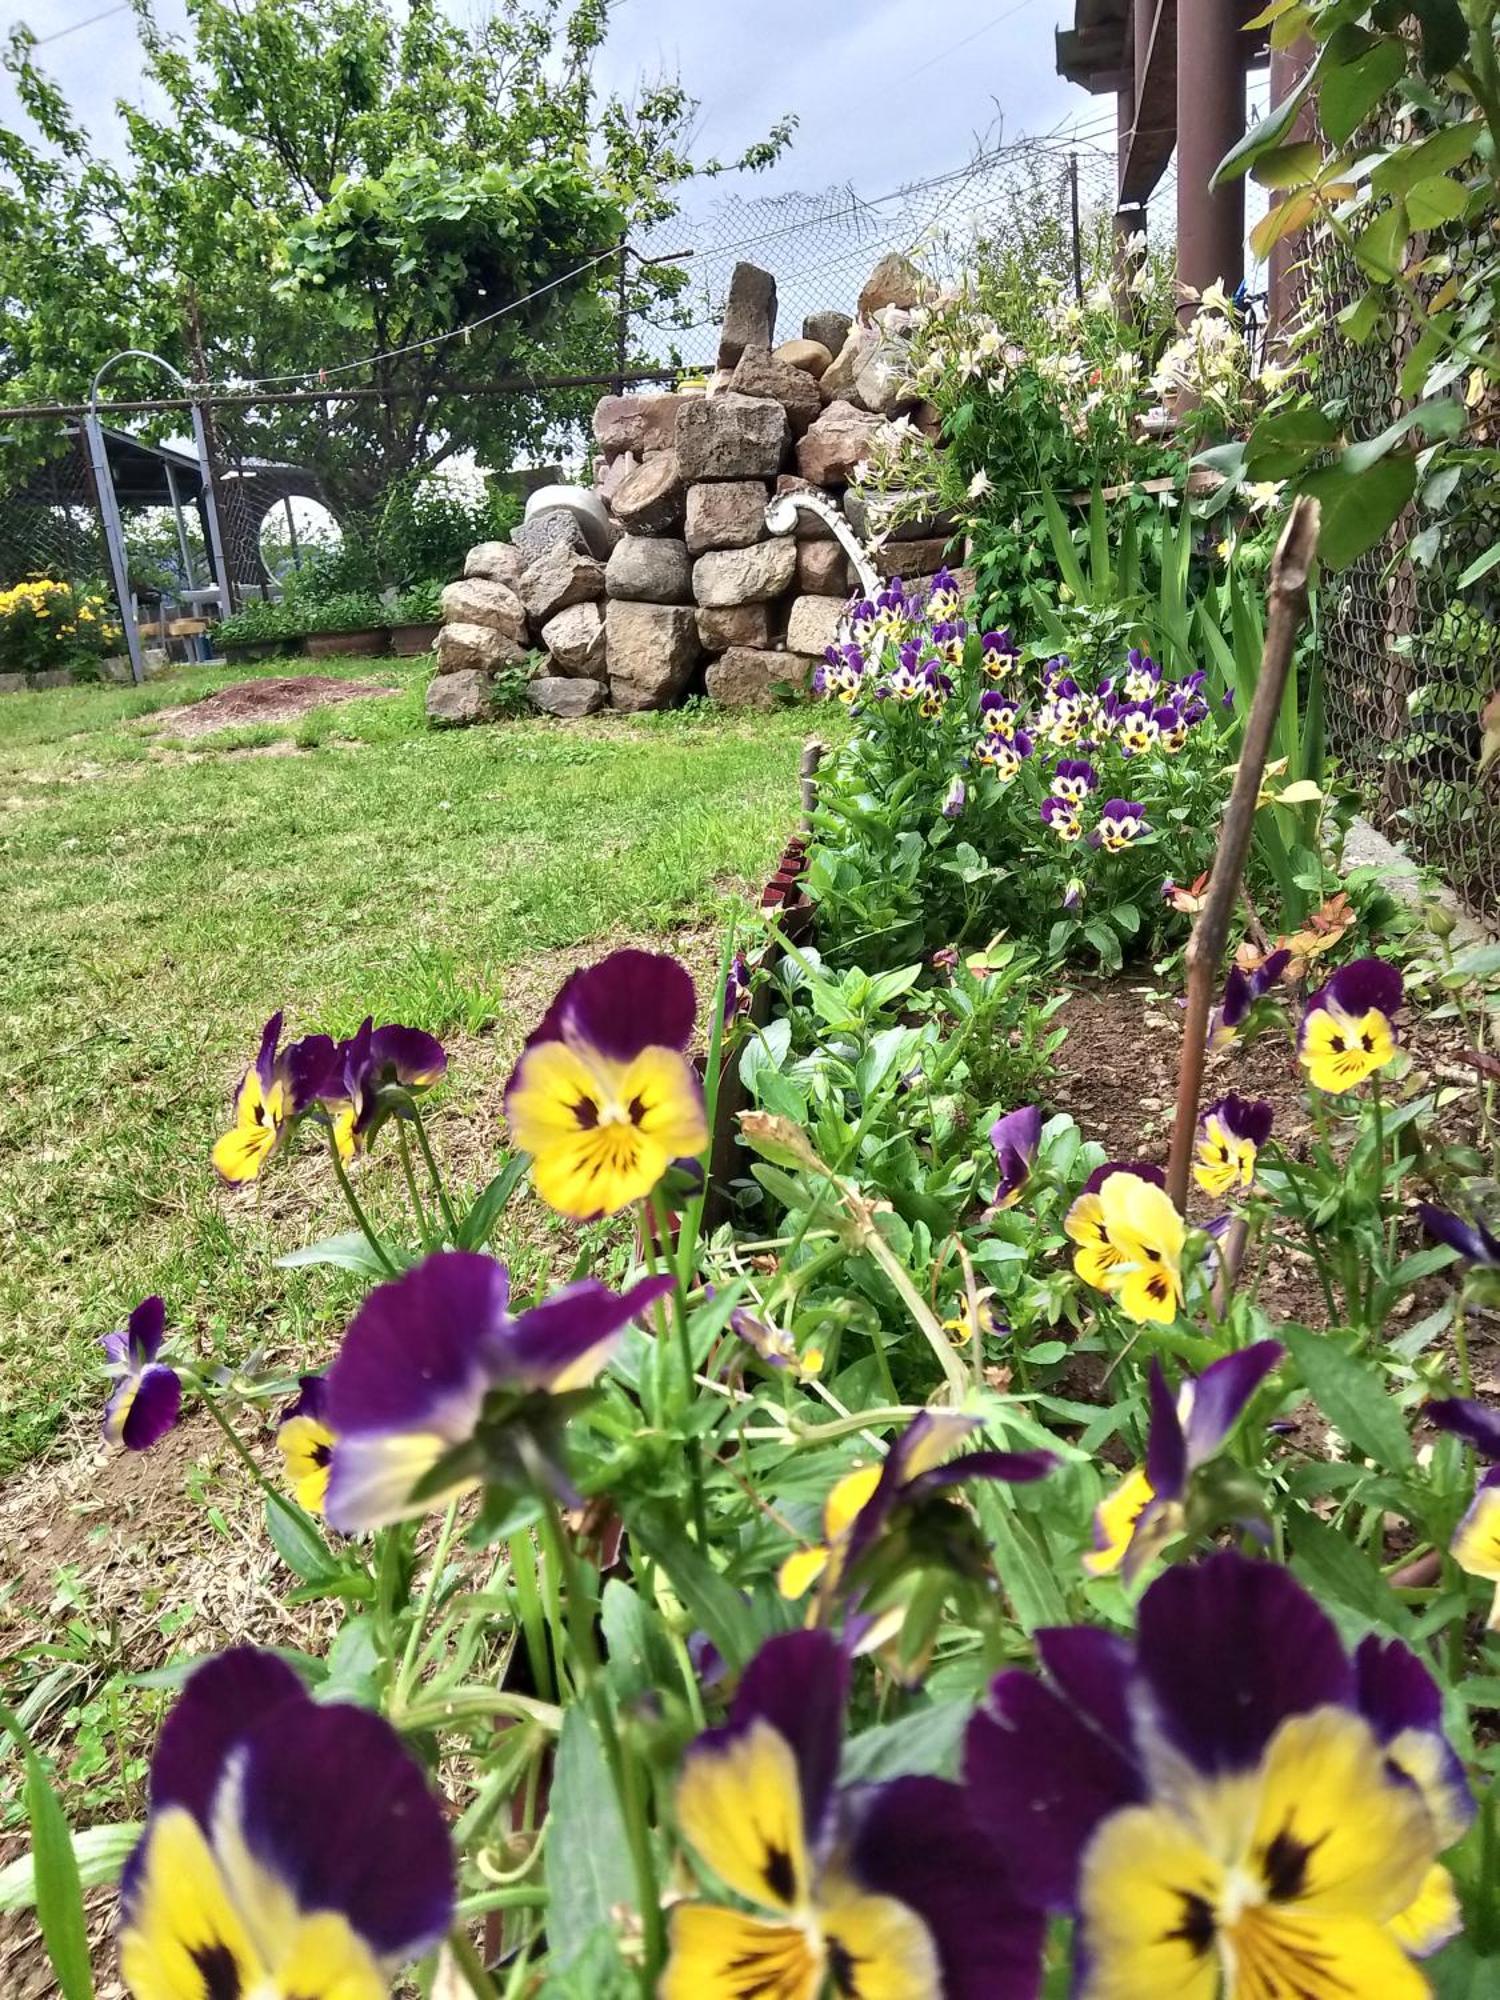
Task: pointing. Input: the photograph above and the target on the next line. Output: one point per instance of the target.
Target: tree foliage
(315, 181)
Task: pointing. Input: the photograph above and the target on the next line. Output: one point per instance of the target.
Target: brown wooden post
(1210, 119)
(1288, 67)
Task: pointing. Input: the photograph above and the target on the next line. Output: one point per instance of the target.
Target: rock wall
(677, 586)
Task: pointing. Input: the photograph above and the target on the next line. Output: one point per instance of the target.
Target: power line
(953, 48)
(73, 27)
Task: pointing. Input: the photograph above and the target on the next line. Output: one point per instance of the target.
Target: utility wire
(73, 26)
(953, 49)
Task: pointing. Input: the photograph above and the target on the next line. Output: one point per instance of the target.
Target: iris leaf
(58, 1886)
(1352, 1395)
(588, 1855)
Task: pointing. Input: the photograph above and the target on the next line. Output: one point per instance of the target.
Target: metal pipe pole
(114, 541)
(622, 320)
(183, 548)
(209, 501)
(291, 530)
(1210, 118)
(1077, 235)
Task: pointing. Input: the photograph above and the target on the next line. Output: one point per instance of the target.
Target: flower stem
(658, 1217)
(424, 1606)
(432, 1168)
(423, 1225)
(355, 1209)
(470, 1964)
(632, 1807)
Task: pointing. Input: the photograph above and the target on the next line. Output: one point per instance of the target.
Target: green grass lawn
(160, 902)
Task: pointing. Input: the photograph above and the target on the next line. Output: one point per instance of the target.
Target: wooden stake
(807, 772)
(1286, 609)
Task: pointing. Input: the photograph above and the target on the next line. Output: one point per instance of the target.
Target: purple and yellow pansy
(290, 1847)
(1231, 1132)
(604, 1097)
(372, 1075)
(887, 1892)
(1147, 1509)
(1015, 1138)
(1241, 991)
(1121, 824)
(438, 1388)
(305, 1440)
(1348, 1032)
(1129, 1240)
(1476, 1541)
(1231, 1807)
(278, 1088)
(146, 1399)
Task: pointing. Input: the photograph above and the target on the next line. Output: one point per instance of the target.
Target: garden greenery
(919, 1559)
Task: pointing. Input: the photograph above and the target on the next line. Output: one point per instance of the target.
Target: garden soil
(249, 704)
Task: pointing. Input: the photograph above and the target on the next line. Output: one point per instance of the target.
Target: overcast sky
(887, 91)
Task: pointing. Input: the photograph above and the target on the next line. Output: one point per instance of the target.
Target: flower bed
(917, 1571)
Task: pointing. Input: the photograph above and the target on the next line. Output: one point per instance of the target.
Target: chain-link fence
(821, 247)
(1409, 659)
(49, 519)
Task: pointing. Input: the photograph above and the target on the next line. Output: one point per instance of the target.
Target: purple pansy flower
(1141, 678)
(892, 1882)
(1015, 1138)
(147, 1397)
(736, 988)
(998, 713)
(1241, 991)
(1121, 824)
(953, 804)
(1062, 816)
(1074, 779)
(290, 1846)
(1136, 728)
(1231, 1132)
(1230, 1798)
(1147, 1509)
(1476, 1541)
(273, 1094)
(998, 654)
(1472, 1240)
(371, 1075)
(438, 1388)
(948, 637)
(1348, 1031)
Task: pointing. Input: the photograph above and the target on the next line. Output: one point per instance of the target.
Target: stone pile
(677, 586)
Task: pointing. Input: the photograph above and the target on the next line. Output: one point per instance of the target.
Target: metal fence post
(622, 320)
(210, 503)
(114, 541)
(1077, 230)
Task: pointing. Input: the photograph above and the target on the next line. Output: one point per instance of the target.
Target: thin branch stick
(1286, 610)
(807, 774)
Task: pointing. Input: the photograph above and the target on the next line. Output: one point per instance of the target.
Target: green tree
(330, 180)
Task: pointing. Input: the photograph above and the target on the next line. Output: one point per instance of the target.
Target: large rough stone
(638, 424)
(650, 569)
(479, 600)
(610, 474)
(745, 576)
(884, 383)
(734, 625)
(811, 356)
(761, 374)
(746, 676)
(652, 650)
(501, 562)
(575, 639)
(749, 315)
(895, 281)
(16, 683)
(725, 514)
(911, 559)
(839, 377)
(837, 442)
(830, 329)
(558, 694)
(649, 502)
(453, 699)
(928, 419)
(810, 527)
(45, 678)
(822, 569)
(561, 576)
(558, 528)
(812, 625)
(730, 437)
(475, 649)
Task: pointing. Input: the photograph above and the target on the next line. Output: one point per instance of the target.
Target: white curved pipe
(781, 519)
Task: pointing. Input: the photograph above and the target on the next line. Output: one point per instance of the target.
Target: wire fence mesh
(49, 519)
(1409, 659)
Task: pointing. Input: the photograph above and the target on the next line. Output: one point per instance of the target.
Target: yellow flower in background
(805, 1567)
(1230, 1135)
(1349, 1029)
(1129, 1239)
(306, 1443)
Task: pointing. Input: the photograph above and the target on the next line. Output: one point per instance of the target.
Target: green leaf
(1437, 155)
(1349, 91)
(640, 1657)
(299, 1542)
(56, 1880)
(100, 1852)
(1358, 511)
(1443, 417)
(588, 1856)
(1435, 201)
(1335, 1568)
(714, 1602)
(349, 1252)
(1289, 166)
(1281, 444)
(1359, 320)
(1481, 566)
(477, 1227)
(1270, 131)
(1352, 1394)
(1380, 248)
(921, 1745)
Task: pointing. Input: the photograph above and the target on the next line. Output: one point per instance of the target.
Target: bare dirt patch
(249, 703)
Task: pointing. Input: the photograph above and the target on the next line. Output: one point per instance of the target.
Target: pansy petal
(740, 1808)
(1432, 1918)
(1167, 1449)
(916, 1841)
(1469, 1239)
(1221, 1394)
(563, 1343)
(153, 1409)
(373, 1478)
(1147, 1893)
(878, 1948)
(1365, 985)
(181, 1934)
(1228, 1649)
(410, 1055)
(220, 1702)
(1040, 1777)
(146, 1328)
(1016, 1468)
(1091, 1669)
(1475, 1422)
(622, 1005)
(723, 1952)
(332, 1803)
(799, 1682)
(414, 1357)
